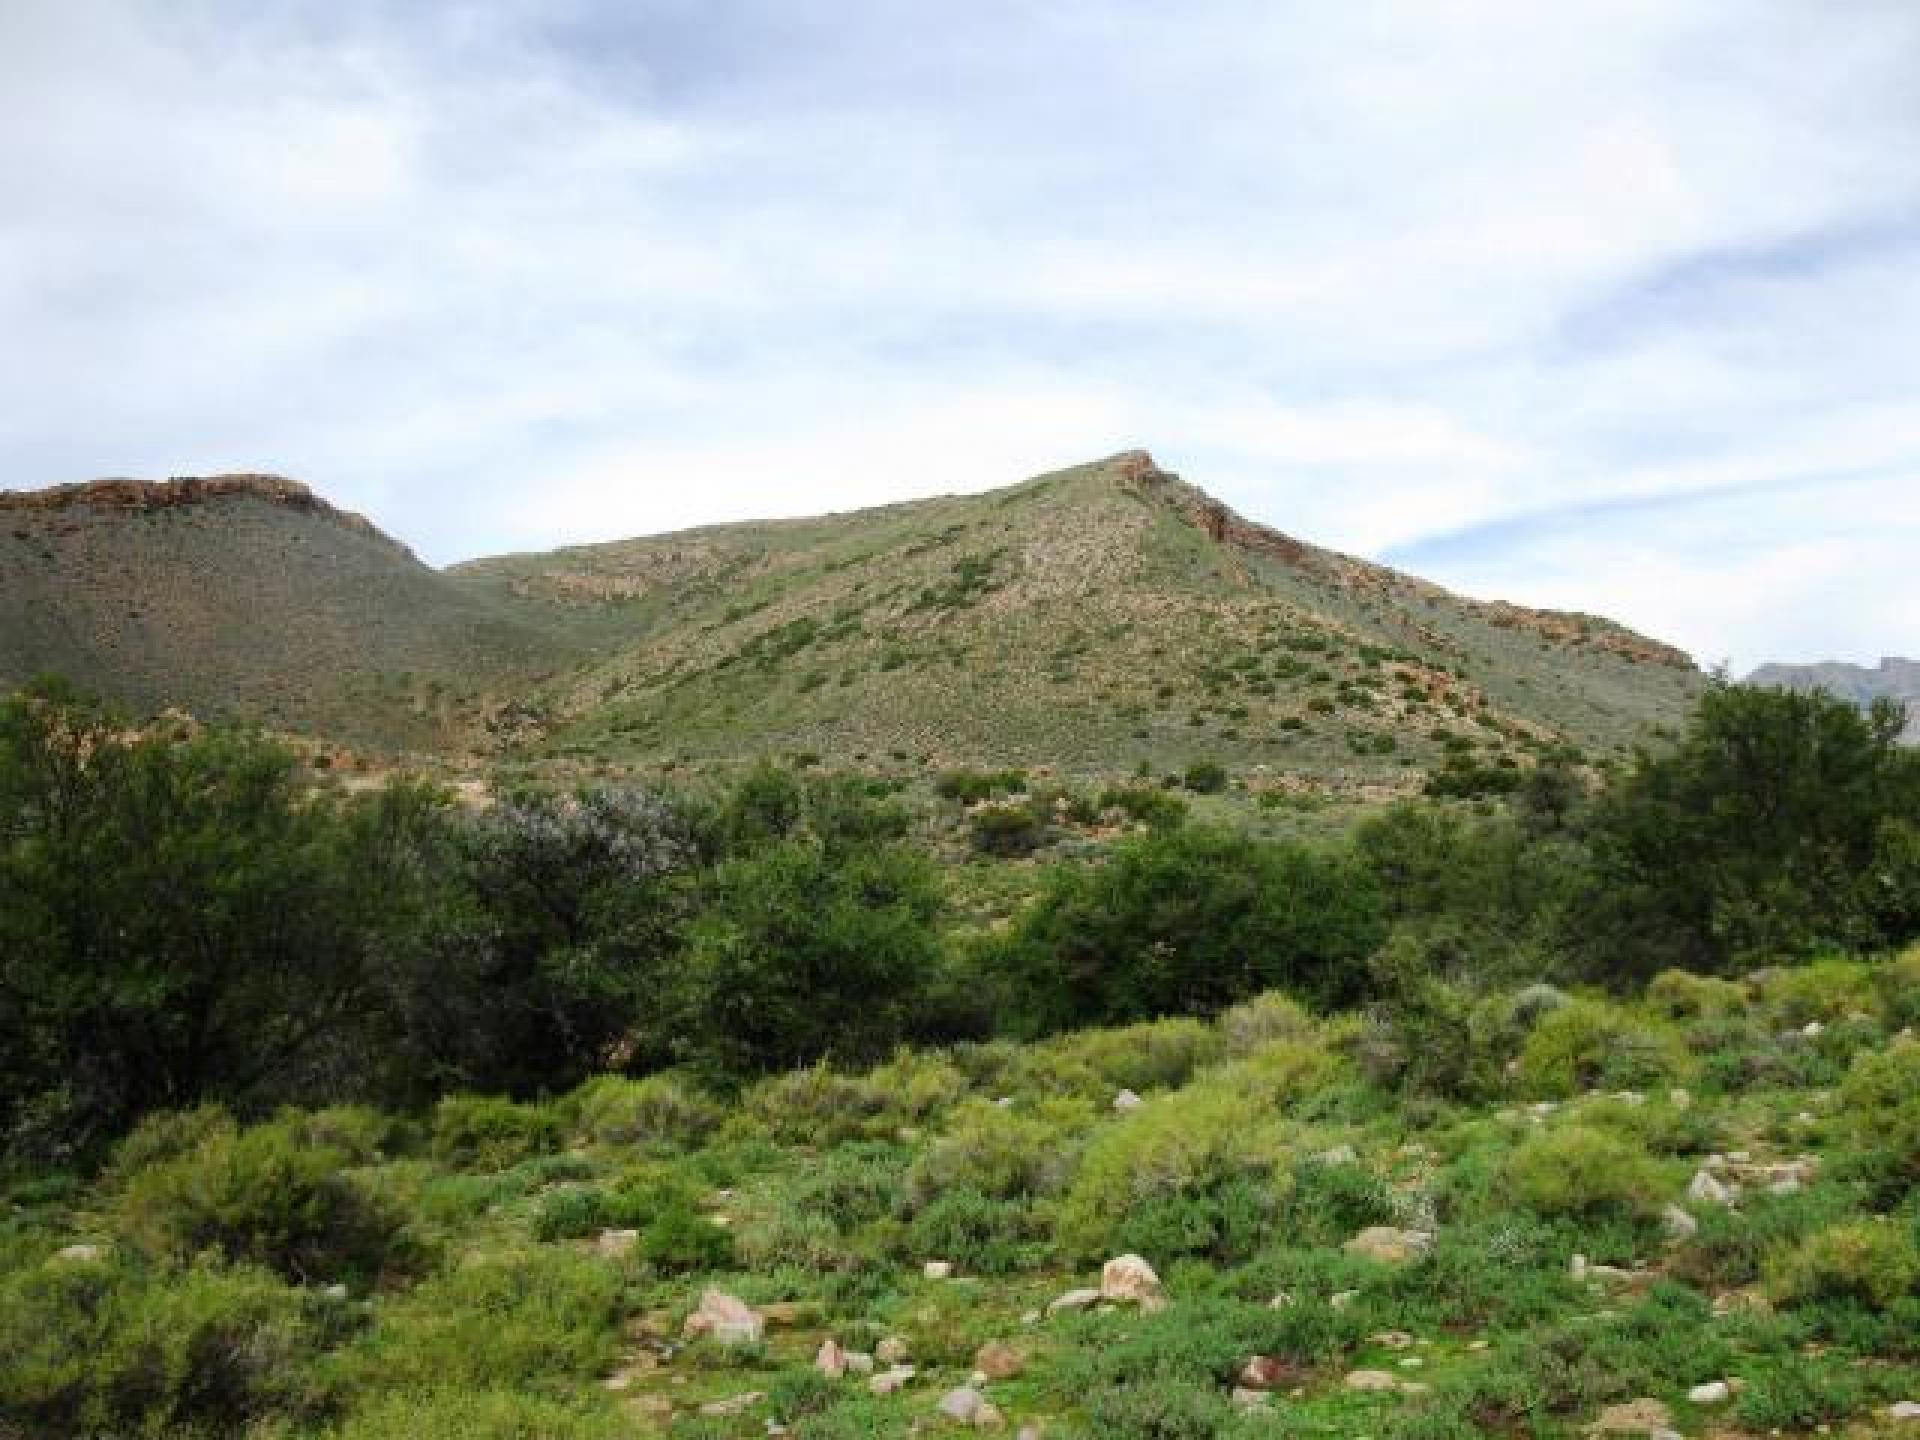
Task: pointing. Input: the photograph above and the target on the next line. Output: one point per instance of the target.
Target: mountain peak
(135, 496)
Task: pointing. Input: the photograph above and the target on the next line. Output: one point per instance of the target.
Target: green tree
(1781, 824)
(1189, 921)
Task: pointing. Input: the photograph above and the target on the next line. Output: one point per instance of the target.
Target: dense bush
(1864, 1260)
(1590, 1043)
(479, 1132)
(262, 1197)
(1580, 1171)
(1191, 920)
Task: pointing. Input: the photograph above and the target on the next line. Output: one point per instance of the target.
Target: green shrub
(1174, 1159)
(1797, 1393)
(679, 1240)
(1824, 990)
(1589, 1044)
(1205, 777)
(815, 1104)
(259, 1196)
(982, 1234)
(477, 1132)
(1869, 1261)
(1581, 1172)
(660, 1113)
(1680, 995)
(1152, 1055)
(1012, 828)
(1251, 1024)
(111, 1349)
(459, 1414)
(1880, 1110)
(162, 1136)
(999, 1151)
(538, 1322)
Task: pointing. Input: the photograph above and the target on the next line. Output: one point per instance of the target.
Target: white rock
(1126, 1100)
(1129, 1280)
(1904, 1410)
(1338, 1155)
(967, 1406)
(733, 1404)
(80, 1254)
(937, 1269)
(612, 1244)
(1341, 1299)
(891, 1351)
(1082, 1299)
(1714, 1392)
(1368, 1381)
(1704, 1189)
(728, 1321)
(830, 1360)
(1680, 1225)
(1389, 1244)
(890, 1380)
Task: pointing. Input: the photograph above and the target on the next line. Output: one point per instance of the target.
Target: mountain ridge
(1099, 618)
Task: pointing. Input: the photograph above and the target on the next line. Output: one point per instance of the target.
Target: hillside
(1892, 679)
(248, 595)
(1089, 619)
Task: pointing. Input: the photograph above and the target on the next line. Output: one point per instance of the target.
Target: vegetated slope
(1892, 679)
(1089, 619)
(248, 595)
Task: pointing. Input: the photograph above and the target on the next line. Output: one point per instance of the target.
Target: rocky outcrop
(143, 496)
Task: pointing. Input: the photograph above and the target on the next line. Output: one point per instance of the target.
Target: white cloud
(517, 273)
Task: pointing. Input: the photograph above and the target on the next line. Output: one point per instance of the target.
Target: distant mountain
(1892, 679)
(249, 595)
(1089, 620)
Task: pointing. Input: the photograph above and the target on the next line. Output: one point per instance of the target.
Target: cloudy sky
(1605, 304)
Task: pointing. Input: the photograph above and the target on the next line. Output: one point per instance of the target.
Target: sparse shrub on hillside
(1254, 1023)
(1197, 1172)
(1205, 777)
(1873, 1262)
(476, 1132)
(1145, 805)
(1582, 1172)
(1000, 1151)
(970, 787)
(261, 1197)
(1682, 996)
(162, 1136)
(1589, 1044)
(662, 1112)
(481, 1414)
(1880, 1112)
(1014, 828)
(1824, 991)
(109, 1348)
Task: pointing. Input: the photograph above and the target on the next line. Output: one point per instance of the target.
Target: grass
(491, 1306)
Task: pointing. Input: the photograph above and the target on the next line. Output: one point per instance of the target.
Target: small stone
(858, 1362)
(1244, 1398)
(80, 1254)
(1705, 1189)
(937, 1269)
(1679, 1224)
(891, 1351)
(1338, 1155)
(891, 1380)
(830, 1360)
(1265, 1372)
(1577, 1268)
(1283, 1301)
(997, 1360)
(1678, 1098)
(1126, 1100)
(727, 1320)
(335, 1291)
(1341, 1299)
(1904, 1410)
(1714, 1392)
(1393, 1340)
(732, 1405)
(1370, 1381)
(1130, 1280)
(1082, 1299)
(967, 1406)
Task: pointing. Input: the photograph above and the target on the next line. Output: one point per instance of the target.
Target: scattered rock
(830, 1360)
(1129, 1280)
(998, 1360)
(1706, 1189)
(967, 1406)
(1371, 1381)
(892, 1351)
(1083, 1299)
(1679, 1224)
(1126, 1100)
(732, 1405)
(1388, 1244)
(614, 1244)
(1714, 1392)
(890, 1380)
(726, 1320)
(937, 1269)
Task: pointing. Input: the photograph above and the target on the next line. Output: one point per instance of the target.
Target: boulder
(967, 1406)
(726, 1320)
(1130, 1280)
(1083, 1299)
(830, 1360)
(997, 1360)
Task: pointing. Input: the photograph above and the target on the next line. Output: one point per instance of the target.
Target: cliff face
(142, 496)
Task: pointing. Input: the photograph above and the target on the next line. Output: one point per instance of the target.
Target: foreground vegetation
(336, 1115)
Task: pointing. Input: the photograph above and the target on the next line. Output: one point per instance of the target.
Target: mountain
(1892, 679)
(249, 595)
(1090, 620)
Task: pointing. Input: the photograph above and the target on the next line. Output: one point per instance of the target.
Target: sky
(1610, 305)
